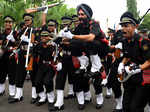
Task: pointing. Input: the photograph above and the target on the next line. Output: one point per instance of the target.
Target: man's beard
(84, 21)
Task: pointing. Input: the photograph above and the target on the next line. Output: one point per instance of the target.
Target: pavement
(70, 105)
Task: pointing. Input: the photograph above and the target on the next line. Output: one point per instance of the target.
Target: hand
(59, 66)
(132, 69)
(68, 35)
(61, 33)
(104, 82)
(46, 10)
(118, 46)
(24, 38)
(11, 38)
(120, 68)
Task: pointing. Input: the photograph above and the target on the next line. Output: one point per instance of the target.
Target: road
(70, 105)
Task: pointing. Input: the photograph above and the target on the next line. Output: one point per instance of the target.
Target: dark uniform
(8, 62)
(112, 78)
(66, 69)
(136, 52)
(90, 48)
(45, 73)
(22, 55)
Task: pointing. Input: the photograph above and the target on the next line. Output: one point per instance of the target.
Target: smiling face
(128, 30)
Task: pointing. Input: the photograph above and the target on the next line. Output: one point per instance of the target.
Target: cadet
(7, 62)
(91, 38)
(136, 63)
(26, 38)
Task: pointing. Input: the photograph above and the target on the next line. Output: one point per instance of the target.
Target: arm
(89, 37)
(43, 19)
(145, 65)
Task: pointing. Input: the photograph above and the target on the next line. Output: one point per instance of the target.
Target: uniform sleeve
(145, 46)
(95, 29)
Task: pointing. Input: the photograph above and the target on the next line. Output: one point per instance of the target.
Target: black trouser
(67, 69)
(21, 70)
(44, 77)
(97, 84)
(8, 66)
(113, 80)
(34, 72)
(80, 83)
(141, 99)
(107, 62)
(133, 97)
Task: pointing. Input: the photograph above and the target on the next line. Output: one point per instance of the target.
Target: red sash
(146, 76)
(103, 74)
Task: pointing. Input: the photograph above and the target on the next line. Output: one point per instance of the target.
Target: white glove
(104, 82)
(131, 70)
(59, 66)
(68, 35)
(61, 33)
(120, 68)
(11, 38)
(46, 10)
(118, 46)
(24, 38)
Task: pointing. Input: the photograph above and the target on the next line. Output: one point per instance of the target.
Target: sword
(32, 10)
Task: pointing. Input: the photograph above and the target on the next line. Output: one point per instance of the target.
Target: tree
(16, 8)
(132, 7)
(146, 23)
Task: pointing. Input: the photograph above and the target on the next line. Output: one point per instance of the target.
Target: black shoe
(33, 100)
(40, 103)
(1, 94)
(10, 97)
(81, 106)
(15, 100)
(117, 110)
(80, 71)
(53, 108)
(88, 101)
(108, 96)
(99, 106)
(69, 96)
(50, 106)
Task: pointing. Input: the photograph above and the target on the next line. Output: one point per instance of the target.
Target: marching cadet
(26, 39)
(116, 48)
(45, 71)
(135, 64)
(67, 22)
(65, 68)
(7, 62)
(107, 61)
(91, 35)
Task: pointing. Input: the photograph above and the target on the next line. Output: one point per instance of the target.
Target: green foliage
(146, 23)
(16, 8)
(132, 7)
